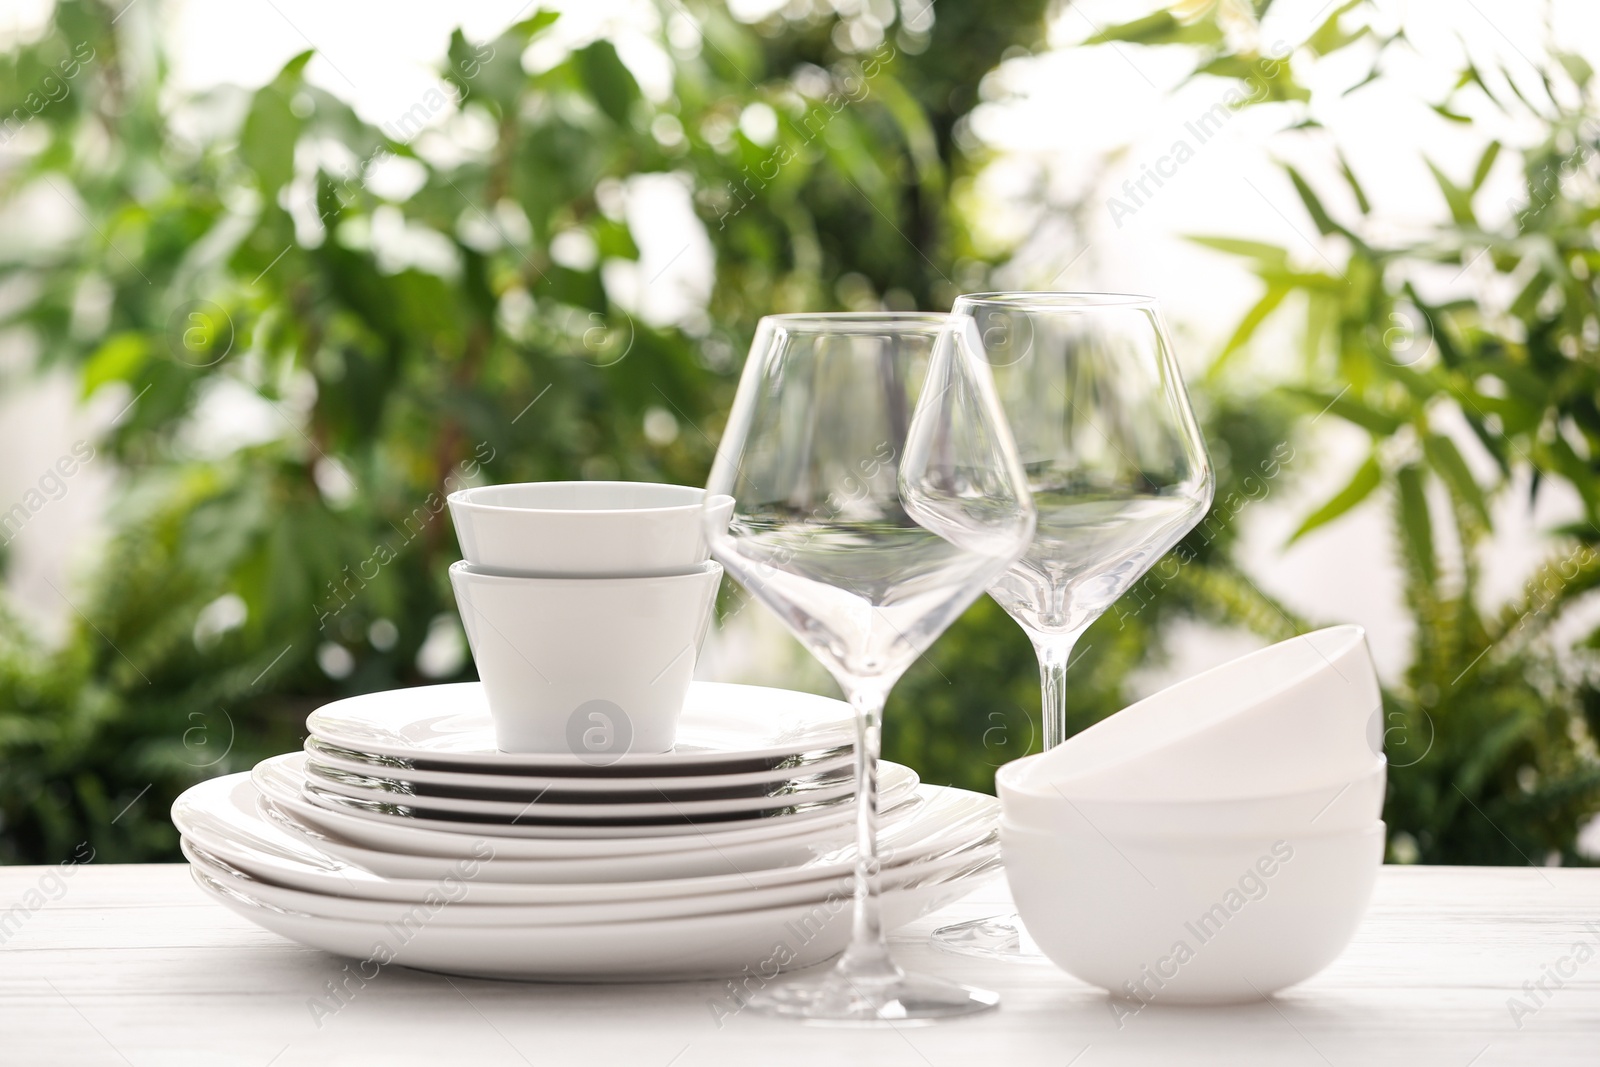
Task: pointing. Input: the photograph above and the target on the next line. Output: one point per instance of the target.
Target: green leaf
(1319, 215)
(613, 240)
(1447, 462)
(1247, 326)
(1416, 525)
(1265, 79)
(1351, 410)
(1361, 484)
(1270, 255)
(1577, 68)
(1160, 28)
(1456, 198)
(534, 24)
(1355, 187)
(1329, 37)
(1485, 164)
(121, 357)
(607, 80)
(266, 143)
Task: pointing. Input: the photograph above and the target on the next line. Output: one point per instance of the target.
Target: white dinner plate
(974, 857)
(277, 775)
(281, 781)
(508, 865)
(222, 816)
(611, 787)
(701, 946)
(546, 805)
(723, 727)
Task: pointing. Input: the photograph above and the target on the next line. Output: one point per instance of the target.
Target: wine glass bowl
(1107, 440)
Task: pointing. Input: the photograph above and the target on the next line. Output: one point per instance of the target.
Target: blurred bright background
(570, 203)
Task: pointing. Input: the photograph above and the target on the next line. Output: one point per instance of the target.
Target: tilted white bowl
(1303, 713)
(583, 529)
(1040, 805)
(1188, 921)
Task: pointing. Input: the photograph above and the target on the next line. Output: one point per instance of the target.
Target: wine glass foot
(999, 937)
(897, 998)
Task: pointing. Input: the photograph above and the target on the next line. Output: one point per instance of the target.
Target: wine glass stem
(868, 954)
(1054, 651)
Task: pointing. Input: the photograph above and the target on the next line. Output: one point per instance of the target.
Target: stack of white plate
(402, 834)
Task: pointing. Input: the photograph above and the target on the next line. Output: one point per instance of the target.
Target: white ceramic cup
(595, 667)
(583, 529)
(1324, 809)
(1299, 714)
(1186, 921)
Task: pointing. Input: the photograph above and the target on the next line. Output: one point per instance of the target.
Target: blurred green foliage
(1472, 399)
(408, 305)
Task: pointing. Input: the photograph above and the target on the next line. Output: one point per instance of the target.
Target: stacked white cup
(585, 604)
(1214, 842)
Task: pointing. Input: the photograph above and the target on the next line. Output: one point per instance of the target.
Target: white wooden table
(132, 965)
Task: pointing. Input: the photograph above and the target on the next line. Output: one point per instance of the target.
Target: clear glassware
(877, 494)
(1118, 471)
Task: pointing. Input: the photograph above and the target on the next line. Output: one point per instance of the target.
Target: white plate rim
(407, 835)
(542, 809)
(832, 728)
(948, 820)
(401, 770)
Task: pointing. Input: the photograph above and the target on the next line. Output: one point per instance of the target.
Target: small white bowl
(583, 529)
(1345, 806)
(1191, 921)
(596, 667)
(1303, 713)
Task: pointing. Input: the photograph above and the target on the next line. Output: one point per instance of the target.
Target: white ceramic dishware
(223, 817)
(373, 846)
(465, 910)
(1187, 920)
(282, 780)
(766, 941)
(1034, 804)
(582, 529)
(723, 729)
(898, 782)
(548, 805)
(594, 667)
(800, 769)
(1301, 713)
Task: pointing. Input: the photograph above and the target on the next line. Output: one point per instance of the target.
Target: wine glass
(877, 493)
(1118, 471)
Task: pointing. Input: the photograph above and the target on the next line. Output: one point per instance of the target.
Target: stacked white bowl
(585, 604)
(1215, 842)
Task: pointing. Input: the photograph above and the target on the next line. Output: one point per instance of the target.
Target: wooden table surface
(132, 965)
